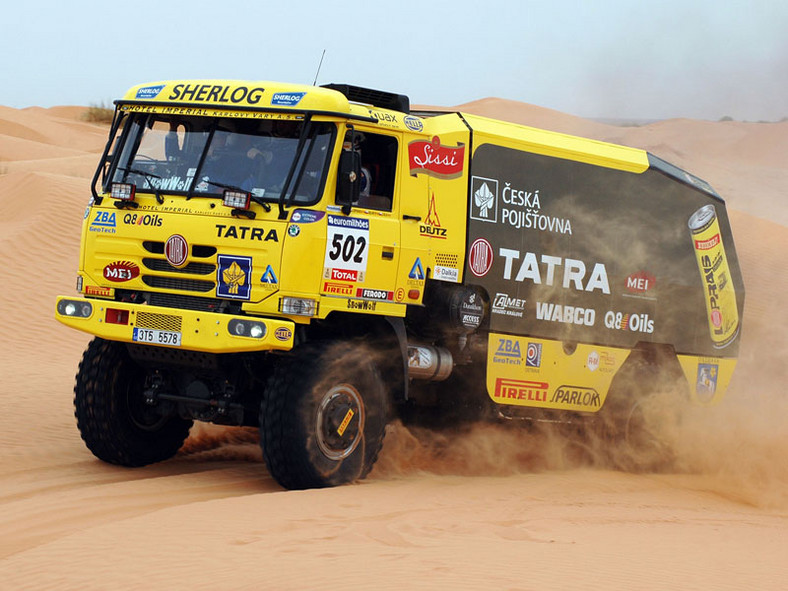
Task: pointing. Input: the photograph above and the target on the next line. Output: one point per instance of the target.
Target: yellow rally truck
(318, 260)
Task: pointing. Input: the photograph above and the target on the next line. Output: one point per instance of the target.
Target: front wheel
(323, 416)
(115, 423)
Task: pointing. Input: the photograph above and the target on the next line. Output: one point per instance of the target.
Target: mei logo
(149, 92)
(287, 99)
(121, 271)
(640, 283)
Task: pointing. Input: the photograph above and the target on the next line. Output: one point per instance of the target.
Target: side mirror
(349, 179)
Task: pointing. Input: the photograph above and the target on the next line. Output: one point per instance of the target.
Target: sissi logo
(430, 158)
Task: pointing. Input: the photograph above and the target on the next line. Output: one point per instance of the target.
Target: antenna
(318, 67)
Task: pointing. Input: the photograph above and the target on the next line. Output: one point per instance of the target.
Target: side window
(378, 170)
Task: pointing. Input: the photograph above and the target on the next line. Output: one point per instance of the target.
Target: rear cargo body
(315, 261)
(589, 244)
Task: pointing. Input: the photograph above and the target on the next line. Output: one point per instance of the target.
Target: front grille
(177, 283)
(154, 321)
(165, 267)
(186, 302)
(198, 251)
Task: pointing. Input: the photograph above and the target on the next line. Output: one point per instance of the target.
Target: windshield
(200, 156)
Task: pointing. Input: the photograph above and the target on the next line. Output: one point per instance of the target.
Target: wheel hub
(340, 422)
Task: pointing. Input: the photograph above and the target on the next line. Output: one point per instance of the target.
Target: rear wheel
(323, 416)
(112, 417)
(640, 419)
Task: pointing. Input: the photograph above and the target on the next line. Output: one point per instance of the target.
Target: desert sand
(490, 508)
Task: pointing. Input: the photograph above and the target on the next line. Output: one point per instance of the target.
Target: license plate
(157, 337)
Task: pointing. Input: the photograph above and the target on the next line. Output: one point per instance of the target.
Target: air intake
(377, 98)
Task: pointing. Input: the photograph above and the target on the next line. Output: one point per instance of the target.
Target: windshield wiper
(254, 198)
(148, 176)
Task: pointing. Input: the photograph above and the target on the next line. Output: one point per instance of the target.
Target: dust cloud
(736, 449)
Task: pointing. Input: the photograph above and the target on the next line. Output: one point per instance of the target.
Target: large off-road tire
(115, 423)
(640, 419)
(323, 416)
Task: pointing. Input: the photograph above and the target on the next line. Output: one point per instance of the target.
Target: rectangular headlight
(299, 306)
(236, 199)
(123, 191)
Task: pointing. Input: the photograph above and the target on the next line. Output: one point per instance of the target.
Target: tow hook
(151, 393)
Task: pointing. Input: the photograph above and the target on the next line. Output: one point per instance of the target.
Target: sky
(624, 59)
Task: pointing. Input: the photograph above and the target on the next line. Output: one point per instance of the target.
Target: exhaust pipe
(426, 362)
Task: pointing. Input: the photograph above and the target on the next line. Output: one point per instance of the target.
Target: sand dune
(493, 507)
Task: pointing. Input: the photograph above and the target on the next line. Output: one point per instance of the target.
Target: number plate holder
(156, 337)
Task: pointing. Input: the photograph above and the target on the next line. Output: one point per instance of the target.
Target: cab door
(362, 249)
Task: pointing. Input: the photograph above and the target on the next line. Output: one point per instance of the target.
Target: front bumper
(199, 331)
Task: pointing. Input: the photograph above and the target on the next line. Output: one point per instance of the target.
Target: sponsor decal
(417, 271)
(146, 219)
(345, 422)
(293, 230)
(104, 222)
(389, 118)
(232, 279)
(374, 294)
(521, 390)
(347, 245)
(706, 382)
(707, 244)
(269, 276)
(361, 305)
(342, 275)
(283, 334)
(176, 250)
(287, 99)
(306, 216)
(149, 92)
(632, 322)
(574, 271)
(413, 123)
(246, 233)
(524, 212)
(533, 355)
(485, 199)
(431, 227)
(95, 290)
(216, 93)
(419, 357)
(576, 396)
(508, 306)
(121, 271)
(337, 289)
(508, 352)
(592, 361)
(449, 274)
(607, 362)
(640, 282)
(480, 257)
(566, 314)
(433, 159)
